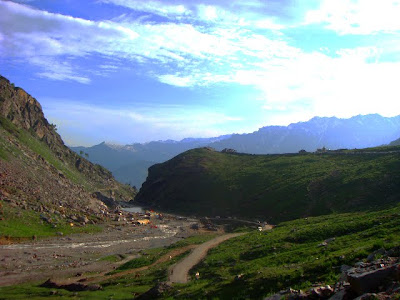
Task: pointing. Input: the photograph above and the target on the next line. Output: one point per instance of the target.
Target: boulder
(368, 281)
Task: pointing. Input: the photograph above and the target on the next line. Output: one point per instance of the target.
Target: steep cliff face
(25, 112)
(38, 172)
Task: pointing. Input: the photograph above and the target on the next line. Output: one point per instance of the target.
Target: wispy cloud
(153, 7)
(29, 32)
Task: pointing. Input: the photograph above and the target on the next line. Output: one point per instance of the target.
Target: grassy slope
(290, 255)
(19, 223)
(273, 187)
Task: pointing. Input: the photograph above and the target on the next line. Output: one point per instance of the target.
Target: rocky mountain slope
(130, 163)
(39, 174)
(273, 187)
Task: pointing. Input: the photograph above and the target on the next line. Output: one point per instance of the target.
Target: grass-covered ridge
(274, 187)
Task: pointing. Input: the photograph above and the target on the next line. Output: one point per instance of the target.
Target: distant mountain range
(129, 163)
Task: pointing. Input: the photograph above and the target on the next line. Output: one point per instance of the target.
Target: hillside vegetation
(274, 187)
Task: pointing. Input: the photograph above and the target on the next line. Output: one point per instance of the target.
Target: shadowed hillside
(273, 187)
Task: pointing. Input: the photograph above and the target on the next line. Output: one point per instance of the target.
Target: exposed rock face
(25, 112)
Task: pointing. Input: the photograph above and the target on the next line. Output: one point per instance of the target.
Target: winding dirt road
(178, 273)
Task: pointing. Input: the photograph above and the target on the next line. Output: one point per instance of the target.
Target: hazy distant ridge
(129, 163)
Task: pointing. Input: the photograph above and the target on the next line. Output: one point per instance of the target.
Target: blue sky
(128, 71)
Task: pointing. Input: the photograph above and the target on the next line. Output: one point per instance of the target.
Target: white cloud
(343, 86)
(357, 17)
(44, 39)
(55, 70)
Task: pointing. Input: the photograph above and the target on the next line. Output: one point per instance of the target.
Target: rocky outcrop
(25, 112)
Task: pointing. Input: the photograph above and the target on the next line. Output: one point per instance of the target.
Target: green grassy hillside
(291, 255)
(274, 187)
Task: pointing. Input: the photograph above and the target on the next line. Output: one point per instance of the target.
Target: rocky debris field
(51, 193)
(82, 254)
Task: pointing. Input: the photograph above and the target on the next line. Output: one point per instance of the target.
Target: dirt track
(179, 272)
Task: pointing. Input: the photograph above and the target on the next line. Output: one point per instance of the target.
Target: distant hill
(39, 174)
(273, 187)
(395, 143)
(129, 163)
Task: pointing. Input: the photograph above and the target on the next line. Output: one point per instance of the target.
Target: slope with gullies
(274, 187)
(43, 184)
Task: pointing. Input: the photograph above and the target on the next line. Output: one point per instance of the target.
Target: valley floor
(82, 254)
